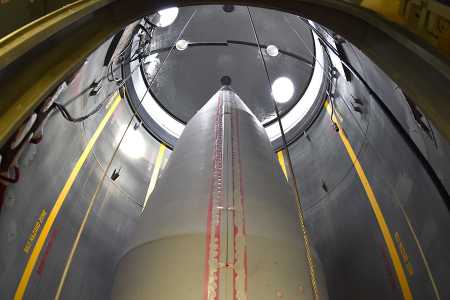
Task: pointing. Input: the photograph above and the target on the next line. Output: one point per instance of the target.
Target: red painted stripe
(236, 160)
(241, 192)
(43, 262)
(208, 242)
(216, 173)
(235, 228)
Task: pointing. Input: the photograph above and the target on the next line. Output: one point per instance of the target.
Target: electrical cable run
(308, 251)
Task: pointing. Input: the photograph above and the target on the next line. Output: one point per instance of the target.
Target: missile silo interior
(225, 152)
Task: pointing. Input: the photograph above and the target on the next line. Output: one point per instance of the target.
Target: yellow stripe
(282, 164)
(155, 174)
(404, 285)
(77, 239)
(20, 291)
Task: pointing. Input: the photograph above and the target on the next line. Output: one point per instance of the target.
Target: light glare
(133, 143)
(182, 45)
(167, 16)
(282, 89)
(272, 50)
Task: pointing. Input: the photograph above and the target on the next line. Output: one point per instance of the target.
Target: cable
(149, 34)
(395, 122)
(299, 206)
(87, 89)
(70, 118)
(332, 104)
(138, 53)
(111, 77)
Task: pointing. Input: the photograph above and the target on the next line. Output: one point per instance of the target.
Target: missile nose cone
(226, 88)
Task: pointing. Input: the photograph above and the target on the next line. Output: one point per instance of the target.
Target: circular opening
(297, 89)
(167, 16)
(282, 89)
(272, 50)
(182, 45)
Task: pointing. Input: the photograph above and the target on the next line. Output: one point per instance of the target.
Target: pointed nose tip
(226, 88)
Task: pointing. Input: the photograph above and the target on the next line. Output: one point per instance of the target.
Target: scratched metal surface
(235, 194)
(44, 169)
(342, 224)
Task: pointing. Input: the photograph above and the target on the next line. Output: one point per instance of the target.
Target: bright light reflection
(182, 45)
(152, 63)
(282, 89)
(167, 16)
(272, 50)
(289, 121)
(299, 111)
(133, 144)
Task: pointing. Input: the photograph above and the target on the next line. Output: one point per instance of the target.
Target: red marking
(241, 192)
(235, 275)
(216, 179)
(237, 154)
(41, 266)
(235, 228)
(208, 241)
(388, 268)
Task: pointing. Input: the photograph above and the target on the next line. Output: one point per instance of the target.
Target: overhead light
(182, 45)
(282, 89)
(133, 143)
(306, 103)
(167, 16)
(272, 50)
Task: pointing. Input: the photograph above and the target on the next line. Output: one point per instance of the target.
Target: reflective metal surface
(222, 221)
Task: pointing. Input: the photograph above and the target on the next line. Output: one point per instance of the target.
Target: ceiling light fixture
(167, 16)
(272, 50)
(182, 45)
(282, 89)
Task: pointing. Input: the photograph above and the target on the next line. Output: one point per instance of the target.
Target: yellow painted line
(404, 285)
(155, 174)
(282, 163)
(23, 283)
(77, 239)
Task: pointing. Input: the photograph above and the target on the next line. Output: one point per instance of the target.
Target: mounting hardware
(137, 125)
(324, 186)
(335, 126)
(96, 86)
(115, 174)
(357, 109)
(307, 136)
(358, 101)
